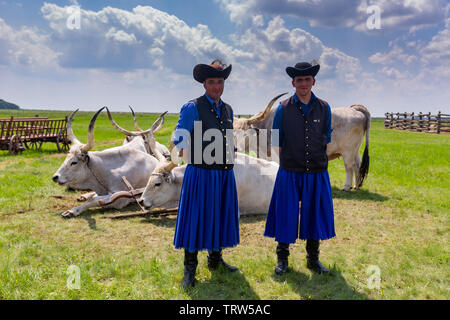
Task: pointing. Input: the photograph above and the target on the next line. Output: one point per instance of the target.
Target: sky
(388, 55)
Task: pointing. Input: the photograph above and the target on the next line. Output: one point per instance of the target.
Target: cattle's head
(74, 171)
(243, 127)
(147, 135)
(161, 187)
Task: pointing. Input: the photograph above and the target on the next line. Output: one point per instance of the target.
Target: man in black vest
(304, 124)
(208, 217)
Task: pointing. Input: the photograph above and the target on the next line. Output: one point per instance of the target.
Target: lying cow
(349, 125)
(102, 171)
(255, 179)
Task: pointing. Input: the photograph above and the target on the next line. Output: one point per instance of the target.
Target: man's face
(303, 84)
(214, 87)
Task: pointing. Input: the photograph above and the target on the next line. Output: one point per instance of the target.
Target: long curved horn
(90, 144)
(119, 128)
(164, 163)
(157, 125)
(126, 132)
(260, 116)
(169, 166)
(134, 119)
(151, 142)
(70, 133)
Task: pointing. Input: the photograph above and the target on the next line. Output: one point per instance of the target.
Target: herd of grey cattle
(147, 164)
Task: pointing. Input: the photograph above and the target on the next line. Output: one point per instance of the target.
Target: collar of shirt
(296, 99)
(213, 103)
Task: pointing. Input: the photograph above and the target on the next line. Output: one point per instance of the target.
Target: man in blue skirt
(208, 217)
(304, 124)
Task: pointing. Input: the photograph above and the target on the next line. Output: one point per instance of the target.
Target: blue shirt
(278, 120)
(189, 114)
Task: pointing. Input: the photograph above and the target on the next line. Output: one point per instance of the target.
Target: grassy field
(398, 222)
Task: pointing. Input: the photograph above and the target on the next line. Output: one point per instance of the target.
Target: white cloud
(146, 38)
(120, 36)
(118, 39)
(395, 55)
(25, 47)
(430, 59)
(144, 57)
(393, 73)
(395, 14)
(437, 51)
(276, 47)
(258, 21)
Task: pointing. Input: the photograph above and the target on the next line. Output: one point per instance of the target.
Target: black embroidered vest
(210, 120)
(304, 147)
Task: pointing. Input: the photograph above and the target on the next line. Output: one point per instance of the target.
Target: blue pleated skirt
(316, 212)
(208, 216)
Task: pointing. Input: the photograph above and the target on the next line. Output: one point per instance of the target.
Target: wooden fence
(420, 122)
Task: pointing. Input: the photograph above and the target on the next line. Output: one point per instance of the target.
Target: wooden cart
(16, 134)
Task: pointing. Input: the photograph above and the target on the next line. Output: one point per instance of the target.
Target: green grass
(398, 221)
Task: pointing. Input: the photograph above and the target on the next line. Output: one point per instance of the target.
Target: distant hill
(8, 105)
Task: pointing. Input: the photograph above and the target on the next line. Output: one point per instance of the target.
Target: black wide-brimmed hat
(214, 70)
(303, 69)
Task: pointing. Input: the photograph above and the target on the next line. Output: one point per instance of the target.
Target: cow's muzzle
(145, 205)
(55, 178)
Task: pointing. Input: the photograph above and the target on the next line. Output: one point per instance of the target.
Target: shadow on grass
(320, 286)
(91, 222)
(252, 218)
(357, 195)
(223, 285)
(168, 221)
(90, 214)
(165, 221)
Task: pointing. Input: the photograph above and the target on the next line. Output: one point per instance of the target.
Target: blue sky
(142, 53)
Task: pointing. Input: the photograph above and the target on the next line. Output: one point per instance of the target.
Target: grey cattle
(102, 171)
(255, 179)
(349, 125)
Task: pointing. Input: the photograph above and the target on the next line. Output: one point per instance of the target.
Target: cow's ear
(84, 157)
(169, 178)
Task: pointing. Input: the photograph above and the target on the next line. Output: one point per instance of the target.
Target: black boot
(190, 266)
(282, 255)
(312, 257)
(215, 260)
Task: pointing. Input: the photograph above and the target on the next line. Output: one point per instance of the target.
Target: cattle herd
(150, 165)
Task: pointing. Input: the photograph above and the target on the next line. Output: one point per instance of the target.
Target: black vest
(210, 120)
(304, 147)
